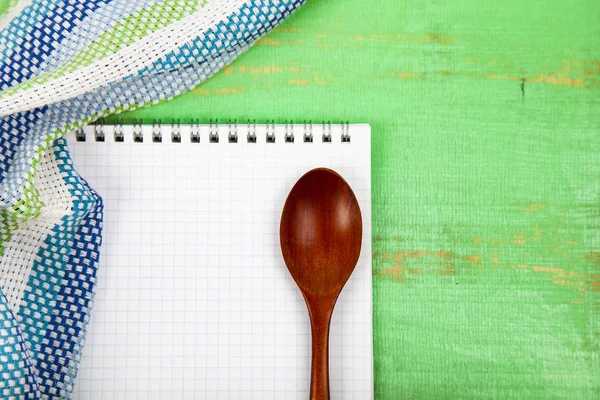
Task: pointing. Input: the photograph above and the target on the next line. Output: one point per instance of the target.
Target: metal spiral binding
(308, 135)
(327, 132)
(99, 131)
(138, 136)
(175, 131)
(156, 133)
(345, 132)
(270, 135)
(79, 135)
(118, 134)
(232, 136)
(195, 130)
(251, 132)
(213, 135)
(289, 132)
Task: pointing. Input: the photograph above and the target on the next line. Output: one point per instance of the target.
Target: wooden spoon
(321, 234)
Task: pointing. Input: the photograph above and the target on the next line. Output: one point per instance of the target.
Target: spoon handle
(320, 318)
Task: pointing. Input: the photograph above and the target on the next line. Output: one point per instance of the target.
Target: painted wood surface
(486, 179)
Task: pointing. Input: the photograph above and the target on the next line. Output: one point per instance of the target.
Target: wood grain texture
(321, 236)
(486, 179)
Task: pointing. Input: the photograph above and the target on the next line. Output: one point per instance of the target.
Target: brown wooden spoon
(321, 235)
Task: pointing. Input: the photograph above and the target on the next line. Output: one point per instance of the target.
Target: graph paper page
(193, 298)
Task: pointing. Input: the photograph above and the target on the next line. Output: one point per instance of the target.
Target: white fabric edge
(21, 252)
(123, 63)
(13, 12)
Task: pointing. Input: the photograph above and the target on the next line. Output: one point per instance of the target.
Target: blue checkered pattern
(246, 25)
(43, 39)
(18, 375)
(42, 335)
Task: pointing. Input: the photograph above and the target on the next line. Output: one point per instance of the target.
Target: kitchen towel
(64, 64)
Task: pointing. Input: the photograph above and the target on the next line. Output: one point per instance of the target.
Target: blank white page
(193, 297)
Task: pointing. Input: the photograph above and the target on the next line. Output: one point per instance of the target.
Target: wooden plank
(486, 190)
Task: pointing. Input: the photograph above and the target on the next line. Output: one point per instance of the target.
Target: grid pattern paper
(193, 297)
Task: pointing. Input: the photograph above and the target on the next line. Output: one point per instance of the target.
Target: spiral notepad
(193, 297)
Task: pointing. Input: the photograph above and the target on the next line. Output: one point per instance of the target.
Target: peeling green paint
(486, 179)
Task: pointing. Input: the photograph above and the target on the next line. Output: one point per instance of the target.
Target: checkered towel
(65, 63)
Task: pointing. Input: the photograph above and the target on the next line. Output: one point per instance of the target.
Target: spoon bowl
(321, 236)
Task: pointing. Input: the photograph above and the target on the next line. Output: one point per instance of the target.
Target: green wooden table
(486, 179)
